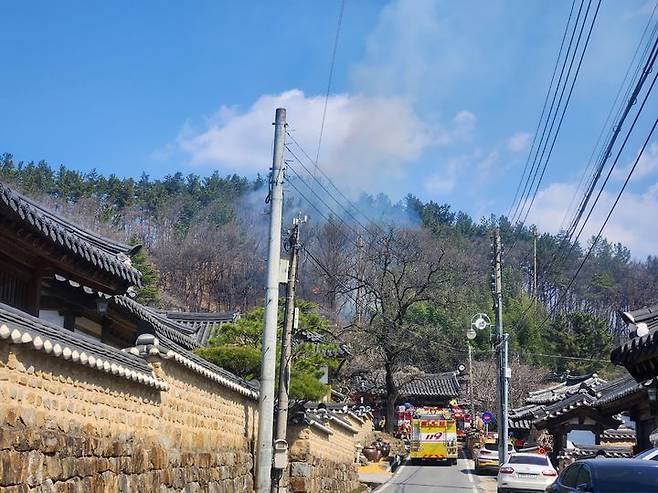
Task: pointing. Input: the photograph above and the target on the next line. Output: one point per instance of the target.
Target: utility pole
(534, 263)
(289, 322)
(359, 308)
(470, 383)
(501, 346)
(268, 351)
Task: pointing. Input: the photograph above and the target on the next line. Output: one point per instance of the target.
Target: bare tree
(525, 378)
(400, 268)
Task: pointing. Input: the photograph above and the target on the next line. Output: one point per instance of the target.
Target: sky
(436, 98)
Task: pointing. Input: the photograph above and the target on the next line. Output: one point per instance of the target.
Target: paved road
(438, 478)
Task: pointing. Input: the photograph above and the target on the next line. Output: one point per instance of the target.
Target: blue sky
(435, 98)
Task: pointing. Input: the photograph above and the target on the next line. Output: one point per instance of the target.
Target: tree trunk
(391, 397)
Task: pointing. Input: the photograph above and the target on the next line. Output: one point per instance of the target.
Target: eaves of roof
(431, 385)
(102, 253)
(17, 327)
(163, 328)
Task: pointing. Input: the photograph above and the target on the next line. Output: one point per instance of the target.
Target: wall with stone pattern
(323, 462)
(69, 428)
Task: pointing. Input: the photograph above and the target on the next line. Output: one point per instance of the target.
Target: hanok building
(578, 404)
(430, 389)
(73, 288)
(639, 355)
(202, 325)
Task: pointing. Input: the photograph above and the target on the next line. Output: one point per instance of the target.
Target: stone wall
(323, 458)
(69, 428)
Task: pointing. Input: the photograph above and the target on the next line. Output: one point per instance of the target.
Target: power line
(605, 126)
(573, 83)
(568, 239)
(319, 182)
(543, 110)
(331, 76)
(333, 184)
(598, 236)
(532, 175)
(317, 209)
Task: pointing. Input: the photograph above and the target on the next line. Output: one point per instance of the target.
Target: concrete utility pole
(534, 263)
(289, 322)
(501, 345)
(470, 383)
(268, 352)
(359, 306)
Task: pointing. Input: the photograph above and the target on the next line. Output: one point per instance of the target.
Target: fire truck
(433, 435)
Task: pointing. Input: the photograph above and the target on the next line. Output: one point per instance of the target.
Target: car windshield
(533, 460)
(636, 479)
(647, 453)
(494, 447)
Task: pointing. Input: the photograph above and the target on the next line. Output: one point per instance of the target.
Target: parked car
(526, 472)
(607, 476)
(651, 454)
(487, 457)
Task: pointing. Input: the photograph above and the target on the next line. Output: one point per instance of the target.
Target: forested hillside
(400, 281)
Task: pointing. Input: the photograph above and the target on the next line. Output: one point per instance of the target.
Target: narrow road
(439, 478)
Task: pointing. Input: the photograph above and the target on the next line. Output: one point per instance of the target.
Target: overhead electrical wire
(573, 83)
(647, 69)
(551, 117)
(525, 203)
(606, 126)
(338, 190)
(567, 238)
(328, 219)
(605, 222)
(319, 182)
(569, 241)
(331, 77)
(543, 110)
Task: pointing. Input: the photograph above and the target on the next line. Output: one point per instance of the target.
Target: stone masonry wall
(322, 462)
(69, 428)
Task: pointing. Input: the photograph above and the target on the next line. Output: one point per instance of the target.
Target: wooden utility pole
(268, 351)
(289, 322)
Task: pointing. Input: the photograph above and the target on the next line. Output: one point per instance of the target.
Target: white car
(487, 457)
(651, 454)
(526, 472)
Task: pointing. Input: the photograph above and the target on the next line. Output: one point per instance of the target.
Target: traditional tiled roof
(639, 354)
(620, 434)
(102, 253)
(525, 411)
(163, 328)
(170, 350)
(589, 451)
(565, 405)
(431, 385)
(519, 424)
(17, 327)
(557, 392)
(341, 350)
(617, 389)
(200, 323)
(325, 418)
